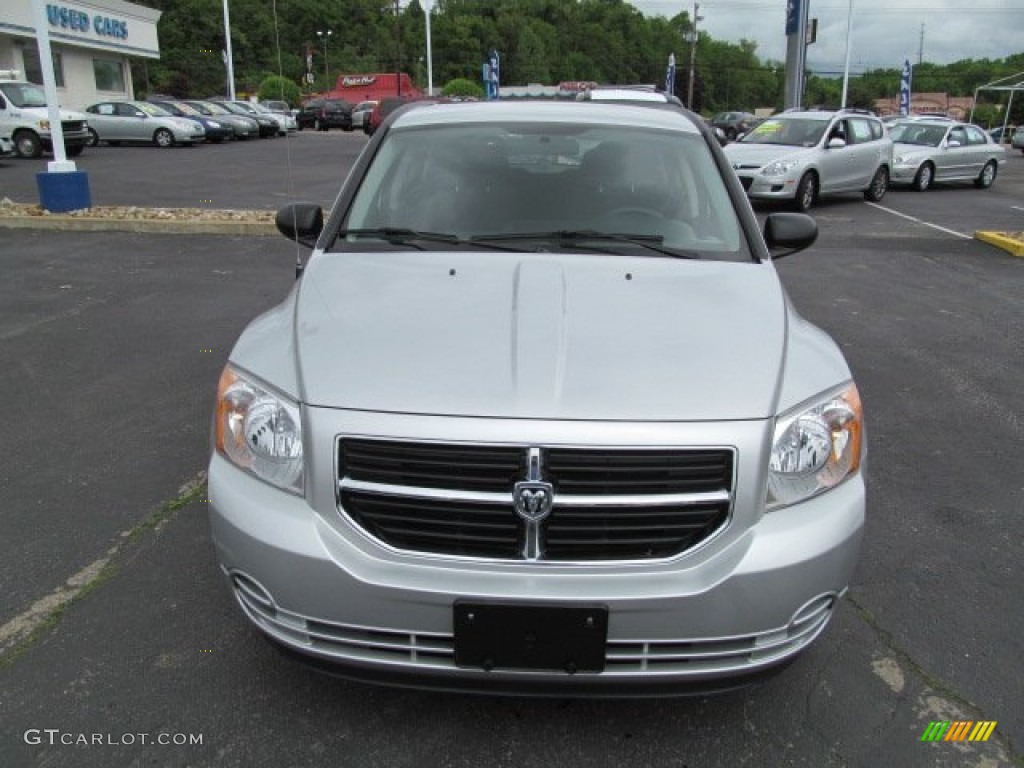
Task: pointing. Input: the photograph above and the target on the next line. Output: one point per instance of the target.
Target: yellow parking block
(1011, 242)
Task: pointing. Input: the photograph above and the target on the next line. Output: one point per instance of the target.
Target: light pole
(693, 55)
(846, 66)
(325, 36)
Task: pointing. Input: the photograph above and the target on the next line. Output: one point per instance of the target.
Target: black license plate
(494, 636)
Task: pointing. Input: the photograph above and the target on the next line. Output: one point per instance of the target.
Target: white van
(24, 117)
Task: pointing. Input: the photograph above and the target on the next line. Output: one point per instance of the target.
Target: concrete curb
(142, 226)
(1009, 242)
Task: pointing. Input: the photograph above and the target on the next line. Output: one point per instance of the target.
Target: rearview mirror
(789, 233)
(301, 222)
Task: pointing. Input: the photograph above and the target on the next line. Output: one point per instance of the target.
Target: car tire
(163, 138)
(806, 192)
(27, 144)
(730, 134)
(987, 175)
(879, 185)
(924, 177)
(94, 138)
(74, 151)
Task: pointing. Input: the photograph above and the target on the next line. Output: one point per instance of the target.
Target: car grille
(72, 126)
(608, 504)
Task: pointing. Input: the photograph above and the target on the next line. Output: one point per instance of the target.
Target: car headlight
(44, 125)
(259, 431)
(778, 168)
(815, 447)
(214, 124)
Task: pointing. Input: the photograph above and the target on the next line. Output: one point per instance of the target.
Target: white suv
(799, 156)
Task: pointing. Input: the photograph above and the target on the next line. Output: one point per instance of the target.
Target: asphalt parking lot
(110, 348)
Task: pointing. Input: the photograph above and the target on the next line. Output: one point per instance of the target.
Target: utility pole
(326, 36)
(920, 45)
(398, 49)
(693, 55)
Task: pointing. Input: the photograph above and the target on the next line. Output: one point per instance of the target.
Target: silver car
(538, 416)
(361, 113)
(930, 151)
(117, 122)
(799, 157)
(1017, 140)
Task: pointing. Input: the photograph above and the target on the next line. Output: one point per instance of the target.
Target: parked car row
(169, 122)
(800, 156)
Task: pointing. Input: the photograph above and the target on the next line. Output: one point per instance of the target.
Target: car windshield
(916, 133)
(152, 109)
(186, 109)
(215, 109)
(24, 94)
(787, 131)
(541, 187)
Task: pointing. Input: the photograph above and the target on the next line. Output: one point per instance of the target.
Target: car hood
(44, 112)
(547, 336)
(758, 155)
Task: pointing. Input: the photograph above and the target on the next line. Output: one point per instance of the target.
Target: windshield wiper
(575, 238)
(405, 236)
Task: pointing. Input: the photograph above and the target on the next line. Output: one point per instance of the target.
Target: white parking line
(921, 221)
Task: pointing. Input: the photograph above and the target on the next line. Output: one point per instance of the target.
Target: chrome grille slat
(623, 656)
(610, 504)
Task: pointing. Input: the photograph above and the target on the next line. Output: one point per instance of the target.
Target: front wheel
(27, 144)
(94, 138)
(806, 193)
(987, 175)
(924, 177)
(74, 151)
(163, 138)
(879, 184)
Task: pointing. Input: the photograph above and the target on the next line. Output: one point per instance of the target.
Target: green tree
(462, 88)
(280, 88)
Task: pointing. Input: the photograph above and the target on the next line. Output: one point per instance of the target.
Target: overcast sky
(884, 32)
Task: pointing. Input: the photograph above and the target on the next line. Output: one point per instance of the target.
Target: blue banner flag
(793, 17)
(905, 88)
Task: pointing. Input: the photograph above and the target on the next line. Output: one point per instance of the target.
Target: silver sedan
(930, 151)
(138, 121)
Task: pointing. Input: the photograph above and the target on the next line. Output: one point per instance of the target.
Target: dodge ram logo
(533, 500)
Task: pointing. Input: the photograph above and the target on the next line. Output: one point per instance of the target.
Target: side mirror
(787, 233)
(952, 143)
(835, 143)
(140, 114)
(301, 222)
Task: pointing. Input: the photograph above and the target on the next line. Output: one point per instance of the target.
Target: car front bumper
(769, 187)
(745, 602)
(904, 173)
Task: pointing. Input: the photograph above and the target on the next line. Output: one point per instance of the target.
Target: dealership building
(92, 45)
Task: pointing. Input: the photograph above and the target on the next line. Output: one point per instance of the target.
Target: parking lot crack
(24, 630)
(936, 684)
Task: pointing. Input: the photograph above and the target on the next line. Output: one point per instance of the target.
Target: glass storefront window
(109, 74)
(34, 67)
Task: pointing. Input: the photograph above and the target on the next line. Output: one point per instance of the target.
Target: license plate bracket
(556, 638)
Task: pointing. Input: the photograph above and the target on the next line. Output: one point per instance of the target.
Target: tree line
(540, 41)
